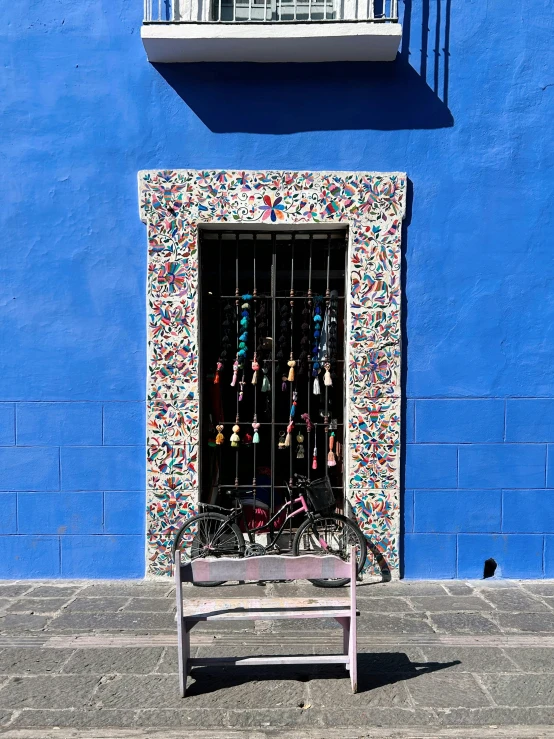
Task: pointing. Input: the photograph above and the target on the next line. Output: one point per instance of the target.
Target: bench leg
(353, 655)
(184, 656)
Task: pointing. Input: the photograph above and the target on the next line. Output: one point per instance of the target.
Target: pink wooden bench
(267, 568)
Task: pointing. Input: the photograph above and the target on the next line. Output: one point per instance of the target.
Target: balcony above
(271, 30)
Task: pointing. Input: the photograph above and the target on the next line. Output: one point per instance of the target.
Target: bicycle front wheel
(330, 534)
(209, 535)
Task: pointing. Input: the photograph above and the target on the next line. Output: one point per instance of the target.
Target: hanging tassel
(314, 459)
(292, 365)
(235, 438)
(266, 387)
(241, 393)
(256, 437)
(316, 390)
(308, 421)
(289, 432)
(331, 461)
(284, 383)
(255, 368)
(282, 439)
(327, 380)
(247, 440)
(219, 439)
(300, 448)
(235, 372)
(294, 403)
(217, 371)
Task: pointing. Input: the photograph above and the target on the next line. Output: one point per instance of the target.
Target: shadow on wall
(291, 98)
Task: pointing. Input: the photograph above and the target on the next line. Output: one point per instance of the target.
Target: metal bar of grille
(308, 434)
(327, 304)
(237, 304)
(273, 381)
(291, 319)
(295, 297)
(254, 311)
(300, 424)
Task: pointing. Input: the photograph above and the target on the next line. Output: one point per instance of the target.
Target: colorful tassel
(247, 440)
(235, 372)
(235, 438)
(300, 447)
(217, 371)
(308, 421)
(289, 432)
(219, 439)
(314, 459)
(331, 461)
(292, 364)
(255, 368)
(294, 404)
(327, 380)
(256, 426)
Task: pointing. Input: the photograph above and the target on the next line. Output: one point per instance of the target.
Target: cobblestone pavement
(436, 659)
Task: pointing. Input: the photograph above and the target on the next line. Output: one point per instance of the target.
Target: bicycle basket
(320, 495)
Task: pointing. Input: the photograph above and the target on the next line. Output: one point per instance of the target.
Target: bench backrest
(267, 567)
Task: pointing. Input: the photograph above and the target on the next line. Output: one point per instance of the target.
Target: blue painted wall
(466, 110)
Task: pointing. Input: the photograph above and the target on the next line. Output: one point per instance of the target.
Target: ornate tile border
(174, 204)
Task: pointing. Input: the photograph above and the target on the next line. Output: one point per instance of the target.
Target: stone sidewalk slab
(436, 659)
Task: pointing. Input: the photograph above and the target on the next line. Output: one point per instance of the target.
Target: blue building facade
(464, 110)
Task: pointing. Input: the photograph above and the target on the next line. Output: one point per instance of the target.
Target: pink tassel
(235, 372)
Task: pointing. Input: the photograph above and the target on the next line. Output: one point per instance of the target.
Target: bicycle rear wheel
(330, 534)
(208, 535)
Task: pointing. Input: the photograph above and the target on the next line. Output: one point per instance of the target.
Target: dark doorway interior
(278, 297)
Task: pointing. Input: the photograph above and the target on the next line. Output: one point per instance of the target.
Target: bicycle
(215, 531)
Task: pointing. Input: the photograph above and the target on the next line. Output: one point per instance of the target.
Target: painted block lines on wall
(74, 489)
(519, 555)
(479, 485)
(459, 421)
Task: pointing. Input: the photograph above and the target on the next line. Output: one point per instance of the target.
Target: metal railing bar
(249, 487)
(296, 425)
(263, 295)
(298, 22)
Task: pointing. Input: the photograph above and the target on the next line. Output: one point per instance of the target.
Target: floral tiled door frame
(175, 204)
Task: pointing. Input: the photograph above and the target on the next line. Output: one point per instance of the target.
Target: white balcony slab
(331, 41)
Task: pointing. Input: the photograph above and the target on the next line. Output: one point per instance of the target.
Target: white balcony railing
(269, 11)
(271, 30)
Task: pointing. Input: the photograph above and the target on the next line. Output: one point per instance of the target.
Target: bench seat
(257, 609)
